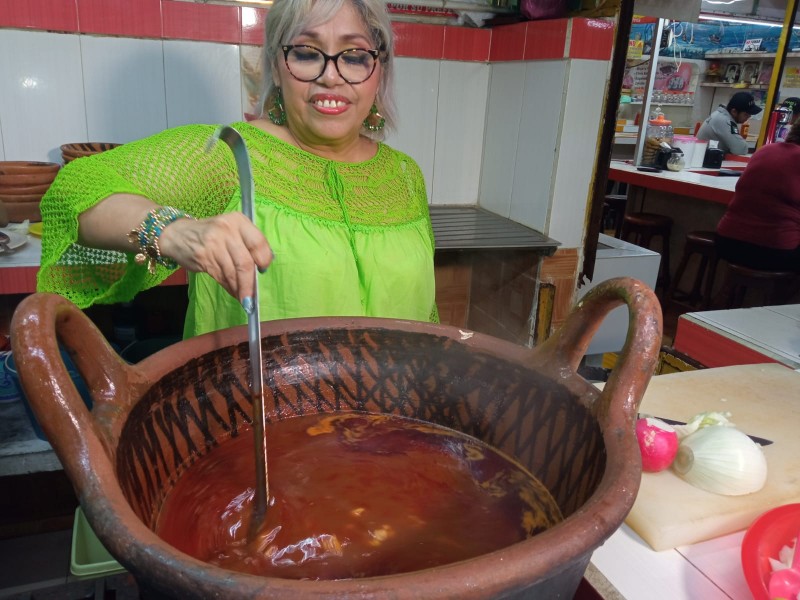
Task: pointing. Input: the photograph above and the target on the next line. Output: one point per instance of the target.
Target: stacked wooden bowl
(22, 185)
(70, 152)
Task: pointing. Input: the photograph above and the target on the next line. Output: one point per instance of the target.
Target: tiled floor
(34, 561)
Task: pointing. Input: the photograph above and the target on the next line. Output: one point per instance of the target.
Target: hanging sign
(635, 49)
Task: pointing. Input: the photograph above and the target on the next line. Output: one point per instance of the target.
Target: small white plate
(15, 240)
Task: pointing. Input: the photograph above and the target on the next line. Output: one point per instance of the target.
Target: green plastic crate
(88, 557)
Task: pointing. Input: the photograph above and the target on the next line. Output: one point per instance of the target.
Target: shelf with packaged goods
(720, 84)
(750, 55)
(654, 102)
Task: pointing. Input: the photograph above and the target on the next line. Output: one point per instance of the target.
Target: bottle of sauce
(744, 129)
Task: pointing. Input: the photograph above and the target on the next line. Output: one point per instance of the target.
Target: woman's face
(329, 111)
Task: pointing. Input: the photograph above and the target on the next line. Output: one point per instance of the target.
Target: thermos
(778, 121)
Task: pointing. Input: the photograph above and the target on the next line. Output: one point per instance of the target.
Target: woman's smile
(330, 104)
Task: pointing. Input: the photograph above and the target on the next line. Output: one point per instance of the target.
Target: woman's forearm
(107, 223)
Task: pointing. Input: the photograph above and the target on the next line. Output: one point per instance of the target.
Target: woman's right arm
(228, 247)
(94, 204)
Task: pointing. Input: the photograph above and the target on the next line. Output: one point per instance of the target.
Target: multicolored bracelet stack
(145, 237)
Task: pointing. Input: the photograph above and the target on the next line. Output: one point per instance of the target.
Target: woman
(761, 226)
(341, 220)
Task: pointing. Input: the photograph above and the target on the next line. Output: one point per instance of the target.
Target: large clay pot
(152, 419)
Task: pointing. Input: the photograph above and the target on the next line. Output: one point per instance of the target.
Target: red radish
(658, 443)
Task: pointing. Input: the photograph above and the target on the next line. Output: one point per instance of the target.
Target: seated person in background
(761, 226)
(723, 124)
(793, 104)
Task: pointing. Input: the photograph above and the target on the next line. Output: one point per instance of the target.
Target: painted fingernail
(247, 305)
(262, 270)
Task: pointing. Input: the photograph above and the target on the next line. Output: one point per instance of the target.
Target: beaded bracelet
(145, 237)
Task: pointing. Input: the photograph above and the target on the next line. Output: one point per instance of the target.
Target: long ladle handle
(231, 137)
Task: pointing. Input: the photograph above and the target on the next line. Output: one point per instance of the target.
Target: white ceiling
(772, 10)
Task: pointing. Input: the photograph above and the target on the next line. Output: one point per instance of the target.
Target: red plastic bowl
(764, 539)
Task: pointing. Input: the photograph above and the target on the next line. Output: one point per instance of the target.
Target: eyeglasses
(307, 63)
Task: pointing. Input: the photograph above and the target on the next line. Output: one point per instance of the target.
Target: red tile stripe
(591, 39)
(202, 22)
(508, 42)
(173, 19)
(130, 18)
(22, 280)
(711, 349)
(546, 40)
(51, 15)
(18, 280)
(253, 25)
(418, 40)
(467, 43)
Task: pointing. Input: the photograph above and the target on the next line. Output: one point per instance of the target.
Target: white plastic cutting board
(764, 400)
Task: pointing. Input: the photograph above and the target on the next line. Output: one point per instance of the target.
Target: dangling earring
(277, 114)
(374, 120)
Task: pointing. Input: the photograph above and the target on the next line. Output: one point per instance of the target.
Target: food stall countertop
(700, 531)
(692, 182)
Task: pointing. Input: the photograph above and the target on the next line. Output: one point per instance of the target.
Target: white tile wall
(503, 117)
(481, 134)
(250, 57)
(203, 82)
(416, 87)
(42, 104)
(123, 81)
(542, 105)
(461, 118)
(576, 154)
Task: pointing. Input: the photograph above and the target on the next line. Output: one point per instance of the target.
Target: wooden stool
(614, 212)
(640, 228)
(702, 244)
(739, 279)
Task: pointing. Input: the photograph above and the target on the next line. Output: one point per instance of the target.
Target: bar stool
(699, 243)
(739, 279)
(614, 212)
(640, 228)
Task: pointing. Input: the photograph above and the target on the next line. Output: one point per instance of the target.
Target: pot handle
(39, 322)
(636, 364)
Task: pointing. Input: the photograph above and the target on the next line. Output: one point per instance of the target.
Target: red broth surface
(354, 495)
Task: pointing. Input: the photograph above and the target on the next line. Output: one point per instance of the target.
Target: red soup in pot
(354, 495)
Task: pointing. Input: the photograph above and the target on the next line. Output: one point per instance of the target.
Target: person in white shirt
(723, 124)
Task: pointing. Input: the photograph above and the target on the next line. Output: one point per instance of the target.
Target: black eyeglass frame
(375, 54)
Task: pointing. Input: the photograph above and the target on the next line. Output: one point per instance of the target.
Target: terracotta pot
(25, 179)
(20, 167)
(20, 211)
(23, 190)
(20, 198)
(152, 418)
(86, 148)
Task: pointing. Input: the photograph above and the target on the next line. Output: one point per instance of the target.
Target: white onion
(722, 460)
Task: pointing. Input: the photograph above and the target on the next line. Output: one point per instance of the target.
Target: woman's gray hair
(287, 18)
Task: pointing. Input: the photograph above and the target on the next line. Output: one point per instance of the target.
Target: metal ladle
(231, 137)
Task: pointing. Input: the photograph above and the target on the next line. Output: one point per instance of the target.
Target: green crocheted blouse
(349, 239)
